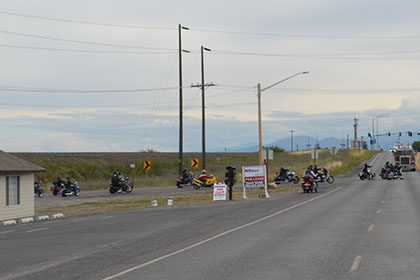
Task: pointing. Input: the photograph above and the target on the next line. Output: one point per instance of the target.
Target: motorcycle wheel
(361, 178)
(129, 188)
(76, 193)
(330, 180)
(112, 190)
(196, 186)
(296, 180)
(63, 194)
(55, 193)
(40, 193)
(179, 185)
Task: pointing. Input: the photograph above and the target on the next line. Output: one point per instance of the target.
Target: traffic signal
(369, 135)
(418, 134)
(399, 134)
(410, 133)
(389, 133)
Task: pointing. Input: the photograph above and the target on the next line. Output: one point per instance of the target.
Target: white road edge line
(217, 236)
(7, 231)
(374, 159)
(38, 229)
(371, 227)
(356, 263)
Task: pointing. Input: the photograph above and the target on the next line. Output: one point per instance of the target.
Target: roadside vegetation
(94, 170)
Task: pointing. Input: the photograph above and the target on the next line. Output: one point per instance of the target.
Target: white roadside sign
(254, 177)
(219, 192)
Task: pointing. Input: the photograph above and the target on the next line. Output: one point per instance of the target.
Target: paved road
(349, 230)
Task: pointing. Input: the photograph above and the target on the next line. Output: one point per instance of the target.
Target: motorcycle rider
(58, 182)
(283, 173)
(309, 171)
(115, 181)
(203, 177)
(68, 184)
(187, 176)
(366, 170)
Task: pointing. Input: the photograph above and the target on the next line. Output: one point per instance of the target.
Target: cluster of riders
(67, 184)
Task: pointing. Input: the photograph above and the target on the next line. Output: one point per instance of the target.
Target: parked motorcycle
(204, 183)
(309, 184)
(73, 189)
(38, 189)
(324, 176)
(290, 177)
(123, 185)
(370, 175)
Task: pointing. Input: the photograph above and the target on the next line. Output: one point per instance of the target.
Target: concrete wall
(26, 208)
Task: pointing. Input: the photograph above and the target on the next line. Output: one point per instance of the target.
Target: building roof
(9, 163)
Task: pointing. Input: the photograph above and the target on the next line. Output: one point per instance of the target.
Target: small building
(16, 187)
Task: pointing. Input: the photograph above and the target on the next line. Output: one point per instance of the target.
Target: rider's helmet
(203, 171)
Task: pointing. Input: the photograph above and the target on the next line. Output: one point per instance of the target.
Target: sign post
(315, 155)
(132, 166)
(254, 177)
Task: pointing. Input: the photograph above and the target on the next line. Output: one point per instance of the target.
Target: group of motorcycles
(58, 188)
(313, 176)
(388, 172)
(188, 179)
(120, 183)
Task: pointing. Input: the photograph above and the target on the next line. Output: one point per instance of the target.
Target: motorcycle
(203, 183)
(184, 180)
(123, 185)
(391, 173)
(370, 175)
(38, 189)
(73, 189)
(57, 188)
(309, 184)
(325, 176)
(290, 177)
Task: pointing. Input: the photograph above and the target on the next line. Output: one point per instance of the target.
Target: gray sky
(68, 84)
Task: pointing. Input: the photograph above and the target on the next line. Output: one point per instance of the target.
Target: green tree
(416, 146)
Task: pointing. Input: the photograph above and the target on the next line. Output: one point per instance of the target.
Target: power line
(82, 42)
(82, 50)
(87, 22)
(52, 90)
(304, 35)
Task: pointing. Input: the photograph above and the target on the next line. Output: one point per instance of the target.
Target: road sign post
(132, 166)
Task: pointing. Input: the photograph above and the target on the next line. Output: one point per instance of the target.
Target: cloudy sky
(103, 75)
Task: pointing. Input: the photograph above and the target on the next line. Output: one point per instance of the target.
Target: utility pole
(291, 139)
(181, 133)
(203, 106)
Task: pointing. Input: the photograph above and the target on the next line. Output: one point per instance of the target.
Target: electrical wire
(87, 22)
(84, 91)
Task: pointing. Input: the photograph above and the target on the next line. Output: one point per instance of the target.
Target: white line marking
(7, 231)
(107, 217)
(38, 229)
(374, 159)
(356, 263)
(218, 235)
(371, 227)
(378, 211)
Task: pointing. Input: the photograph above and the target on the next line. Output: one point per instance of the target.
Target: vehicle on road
(309, 185)
(198, 183)
(288, 178)
(405, 157)
(38, 189)
(324, 176)
(186, 179)
(392, 172)
(123, 184)
(72, 189)
(57, 187)
(369, 175)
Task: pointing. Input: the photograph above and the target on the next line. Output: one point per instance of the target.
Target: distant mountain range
(301, 142)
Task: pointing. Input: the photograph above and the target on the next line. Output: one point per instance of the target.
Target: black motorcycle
(38, 189)
(369, 175)
(392, 173)
(309, 185)
(72, 189)
(57, 188)
(124, 185)
(184, 180)
(290, 177)
(324, 176)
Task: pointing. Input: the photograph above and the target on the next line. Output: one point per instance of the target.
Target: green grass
(94, 170)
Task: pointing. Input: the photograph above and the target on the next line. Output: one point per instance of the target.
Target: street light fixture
(259, 111)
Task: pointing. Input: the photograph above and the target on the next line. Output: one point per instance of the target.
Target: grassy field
(94, 170)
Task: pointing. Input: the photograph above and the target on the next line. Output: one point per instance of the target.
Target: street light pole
(260, 150)
(181, 133)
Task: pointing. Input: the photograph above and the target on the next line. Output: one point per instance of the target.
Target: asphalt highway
(351, 229)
